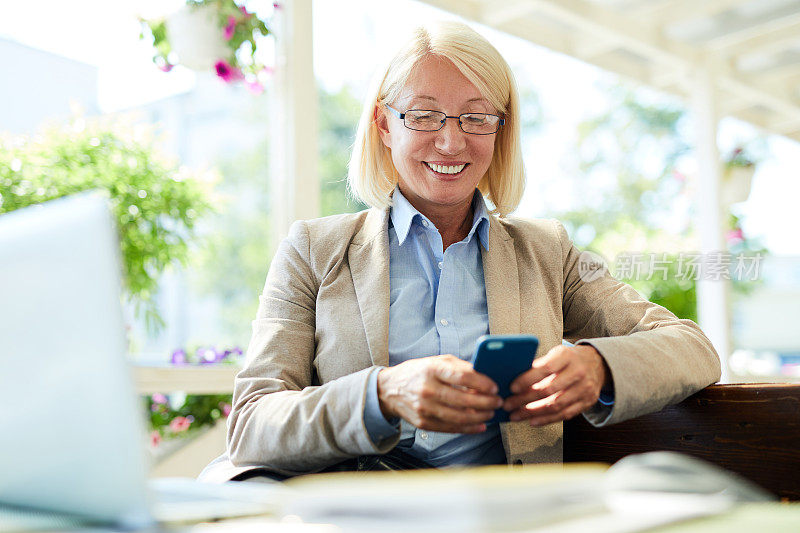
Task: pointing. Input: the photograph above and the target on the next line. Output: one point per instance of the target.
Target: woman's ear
(382, 123)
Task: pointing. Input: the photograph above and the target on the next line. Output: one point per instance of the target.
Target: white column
(294, 189)
(712, 295)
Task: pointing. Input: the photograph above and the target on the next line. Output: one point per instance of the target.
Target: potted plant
(737, 177)
(211, 35)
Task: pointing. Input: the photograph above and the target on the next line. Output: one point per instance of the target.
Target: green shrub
(155, 203)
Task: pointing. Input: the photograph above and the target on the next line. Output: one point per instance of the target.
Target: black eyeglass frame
(402, 116)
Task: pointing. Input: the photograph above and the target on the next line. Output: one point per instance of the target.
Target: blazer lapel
(502, 281)
(368, 256)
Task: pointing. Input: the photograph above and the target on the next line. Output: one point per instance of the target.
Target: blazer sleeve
(280, 419)
(655, 358)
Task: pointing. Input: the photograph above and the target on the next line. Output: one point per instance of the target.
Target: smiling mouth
(446, 170)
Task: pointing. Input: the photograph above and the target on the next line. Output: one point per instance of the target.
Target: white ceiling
(750, 47)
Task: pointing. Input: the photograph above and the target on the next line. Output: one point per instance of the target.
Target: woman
(367, 320)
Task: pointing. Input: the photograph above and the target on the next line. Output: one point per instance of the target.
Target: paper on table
(475, 499)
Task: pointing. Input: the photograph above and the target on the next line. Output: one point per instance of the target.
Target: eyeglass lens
(477, 123)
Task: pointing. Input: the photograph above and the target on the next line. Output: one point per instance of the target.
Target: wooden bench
(750, 429)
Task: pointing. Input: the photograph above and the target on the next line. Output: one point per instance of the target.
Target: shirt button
(424, 222)
(423, 435)
(444, 322)
(440, 264)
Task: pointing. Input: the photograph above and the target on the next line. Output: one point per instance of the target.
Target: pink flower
(226, 409)
(734, 236)
(254, 86)
(230, 28)
(159, 398)
(155, 438)
(228, 73)
(245, 12)
(179, 424)
(276, 5)
(166, 67)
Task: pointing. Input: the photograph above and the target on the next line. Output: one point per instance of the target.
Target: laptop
(72, 438)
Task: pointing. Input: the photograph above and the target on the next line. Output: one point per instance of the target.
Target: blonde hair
(371, 174)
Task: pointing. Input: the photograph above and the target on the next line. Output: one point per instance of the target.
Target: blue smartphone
(503, 358)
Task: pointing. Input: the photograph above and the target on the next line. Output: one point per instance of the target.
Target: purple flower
(179, 357)
(226, 409)
(159, 398)
(206, 355)
(237, 351)
(230, 28)
(228, 73)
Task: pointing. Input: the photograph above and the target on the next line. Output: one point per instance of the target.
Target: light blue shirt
(437, 306)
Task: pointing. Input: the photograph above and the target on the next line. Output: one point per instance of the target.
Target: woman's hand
(560, 385)
(439, 393)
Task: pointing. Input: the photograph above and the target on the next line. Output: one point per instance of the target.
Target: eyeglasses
(428, 120)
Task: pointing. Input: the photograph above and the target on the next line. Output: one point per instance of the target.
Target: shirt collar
(403, 214)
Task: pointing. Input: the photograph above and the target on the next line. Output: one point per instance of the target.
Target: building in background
(40, 87)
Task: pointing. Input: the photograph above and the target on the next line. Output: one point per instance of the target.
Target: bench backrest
(750, 429)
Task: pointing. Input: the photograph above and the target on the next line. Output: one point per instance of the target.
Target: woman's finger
(449, 395)
(555, 404)
(552, 362)
(454, 371)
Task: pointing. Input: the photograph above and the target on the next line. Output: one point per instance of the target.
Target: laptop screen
(71, 435)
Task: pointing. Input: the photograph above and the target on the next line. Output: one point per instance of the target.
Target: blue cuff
(606, 398)
(377, 426)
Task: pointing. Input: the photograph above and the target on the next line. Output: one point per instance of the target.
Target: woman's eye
(424, 117)
(475, 119)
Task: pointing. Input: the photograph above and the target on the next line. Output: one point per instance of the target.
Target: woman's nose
(450, 138)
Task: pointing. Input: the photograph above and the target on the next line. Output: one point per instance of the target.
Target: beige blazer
(323, 325)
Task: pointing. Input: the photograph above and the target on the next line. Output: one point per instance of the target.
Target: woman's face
(436, 84)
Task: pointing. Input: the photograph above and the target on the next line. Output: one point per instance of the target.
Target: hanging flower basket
(737, 177)
(736, 183)
(211, 35)
(195, 37)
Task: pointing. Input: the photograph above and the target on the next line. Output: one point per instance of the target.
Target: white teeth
(444, 169)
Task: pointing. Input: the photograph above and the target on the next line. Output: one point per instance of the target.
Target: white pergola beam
(772, 22)
(588, 48)
(498, 14)
(766, 43)
(629, 32)
(680, 10)
(541, 34)
(784, 127)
